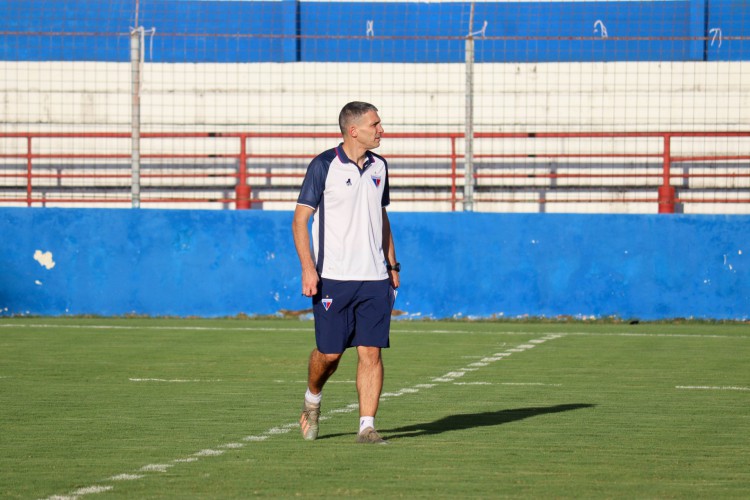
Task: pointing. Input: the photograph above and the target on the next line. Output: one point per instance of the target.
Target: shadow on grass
(471, 421)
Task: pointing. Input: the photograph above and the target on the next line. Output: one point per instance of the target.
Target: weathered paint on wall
(224, 263)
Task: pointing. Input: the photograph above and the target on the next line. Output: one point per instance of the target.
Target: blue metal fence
(402, 32)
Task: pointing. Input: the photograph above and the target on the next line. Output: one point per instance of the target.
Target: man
(351, 272)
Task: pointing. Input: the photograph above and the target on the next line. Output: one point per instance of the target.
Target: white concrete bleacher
(545, 175)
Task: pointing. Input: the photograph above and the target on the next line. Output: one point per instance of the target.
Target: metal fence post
(242, 190)
(468, 202)
(135, 119)
(29, 172)
(666, 191)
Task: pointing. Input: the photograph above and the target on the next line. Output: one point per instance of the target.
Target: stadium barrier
(631, 172)
(212, 263)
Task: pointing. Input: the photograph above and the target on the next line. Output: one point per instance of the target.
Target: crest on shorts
(327, 303)
(376, 179)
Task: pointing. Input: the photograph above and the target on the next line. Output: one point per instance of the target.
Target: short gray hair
(352, 111)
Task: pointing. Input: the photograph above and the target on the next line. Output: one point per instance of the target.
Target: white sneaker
(308, 421)
(370, 436)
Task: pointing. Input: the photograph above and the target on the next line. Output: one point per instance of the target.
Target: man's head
(359, 121)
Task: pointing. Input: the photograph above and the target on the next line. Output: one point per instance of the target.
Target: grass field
(135, 408)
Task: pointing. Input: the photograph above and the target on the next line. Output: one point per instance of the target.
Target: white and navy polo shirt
(347, 230)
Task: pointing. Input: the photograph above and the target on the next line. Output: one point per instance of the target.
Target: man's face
(369, 130)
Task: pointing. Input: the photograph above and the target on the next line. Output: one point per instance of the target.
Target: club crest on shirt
(376, 179)
(327, 303)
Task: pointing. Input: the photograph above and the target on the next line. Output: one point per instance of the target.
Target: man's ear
(353, 131)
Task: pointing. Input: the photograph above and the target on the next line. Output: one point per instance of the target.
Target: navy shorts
(352, 313)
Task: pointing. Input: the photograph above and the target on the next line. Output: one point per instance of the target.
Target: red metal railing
(665, 196)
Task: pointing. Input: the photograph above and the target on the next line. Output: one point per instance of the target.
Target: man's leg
(369, 380)
(369, 386)
(320, 368)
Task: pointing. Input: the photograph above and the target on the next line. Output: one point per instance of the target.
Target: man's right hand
(309, 282)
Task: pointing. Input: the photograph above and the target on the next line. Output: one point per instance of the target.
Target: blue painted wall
(556, 28)
(409, 31)
(218, 263)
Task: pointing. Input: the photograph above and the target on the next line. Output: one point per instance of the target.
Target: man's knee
(325, 359)
(369, 355)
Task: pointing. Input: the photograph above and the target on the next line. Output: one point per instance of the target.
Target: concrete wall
(218, 263)
(617, 96)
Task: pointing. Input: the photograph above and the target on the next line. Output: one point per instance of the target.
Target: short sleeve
(314, 183)
(386, 200)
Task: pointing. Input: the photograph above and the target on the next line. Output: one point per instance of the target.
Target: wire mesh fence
(608, 106)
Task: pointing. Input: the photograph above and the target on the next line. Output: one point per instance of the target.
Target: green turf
(593, 411)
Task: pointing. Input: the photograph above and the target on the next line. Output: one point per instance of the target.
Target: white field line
(448, 377)
(538, 384)
(305, 381)
(126, 477)
(82, 491)
(661, 335)
(156, 467)
(173, 381)
(530, 383)
(153, 327)
(395, 330)
(712, 388)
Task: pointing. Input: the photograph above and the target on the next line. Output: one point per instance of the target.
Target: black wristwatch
(395, 267)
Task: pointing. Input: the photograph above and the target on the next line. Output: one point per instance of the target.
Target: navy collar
(345, 159)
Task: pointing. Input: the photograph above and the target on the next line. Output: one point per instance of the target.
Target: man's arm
(389, 250)
(301, 235)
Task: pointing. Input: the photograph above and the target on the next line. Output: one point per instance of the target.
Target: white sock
(313, 398)
(365, 422)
